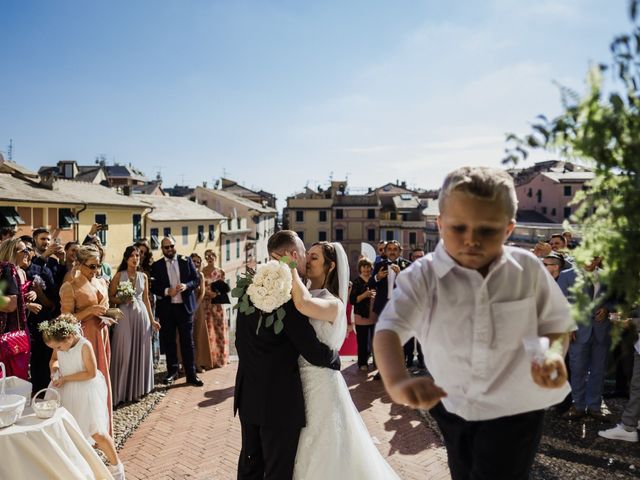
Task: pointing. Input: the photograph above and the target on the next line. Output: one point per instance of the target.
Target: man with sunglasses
(174, 279)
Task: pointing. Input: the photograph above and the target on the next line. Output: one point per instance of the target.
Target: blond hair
(85, 252)
(483, 182)
(9, 250)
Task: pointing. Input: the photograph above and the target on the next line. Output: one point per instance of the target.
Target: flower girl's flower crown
(65, 325)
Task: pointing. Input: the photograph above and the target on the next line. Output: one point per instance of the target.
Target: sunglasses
(93, 266)
(26, 251)
(167, 247)
(551, 264)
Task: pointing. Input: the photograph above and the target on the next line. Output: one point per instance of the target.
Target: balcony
(407, 224)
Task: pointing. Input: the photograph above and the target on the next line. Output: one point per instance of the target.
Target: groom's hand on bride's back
(420, 392)
(335, 362)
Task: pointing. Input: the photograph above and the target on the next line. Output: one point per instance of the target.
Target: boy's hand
(552, 373)
(419, 392)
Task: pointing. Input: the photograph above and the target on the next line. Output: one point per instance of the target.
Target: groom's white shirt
(471, 329)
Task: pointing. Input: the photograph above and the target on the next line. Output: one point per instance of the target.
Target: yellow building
(123, 214)
(194, 228)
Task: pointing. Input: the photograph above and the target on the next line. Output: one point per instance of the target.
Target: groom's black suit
(268, 393)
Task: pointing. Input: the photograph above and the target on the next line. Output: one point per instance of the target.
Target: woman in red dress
(215, 314)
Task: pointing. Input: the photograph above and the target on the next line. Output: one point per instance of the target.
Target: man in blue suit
(589, 345)
(174, 280)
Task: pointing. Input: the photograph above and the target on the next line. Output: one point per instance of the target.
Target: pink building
(549, 193)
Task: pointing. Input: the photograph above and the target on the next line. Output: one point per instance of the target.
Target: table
(52, 448)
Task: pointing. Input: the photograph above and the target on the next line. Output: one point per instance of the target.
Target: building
(390, 212)
(258, 218)
(193, 227)
(261, 197)
(545, 192)
(116, 175)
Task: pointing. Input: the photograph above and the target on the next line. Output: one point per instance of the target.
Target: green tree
(601, 128)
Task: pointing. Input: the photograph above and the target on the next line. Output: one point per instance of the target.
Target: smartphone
(104, 226)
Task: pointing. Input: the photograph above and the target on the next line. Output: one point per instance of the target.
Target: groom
(268, 393)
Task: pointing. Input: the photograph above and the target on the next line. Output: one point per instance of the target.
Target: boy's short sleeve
(405, 312)
(554, 315)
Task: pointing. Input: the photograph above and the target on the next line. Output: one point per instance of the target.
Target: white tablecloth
(52, 448)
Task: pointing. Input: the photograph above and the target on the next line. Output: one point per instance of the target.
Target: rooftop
(166, 209)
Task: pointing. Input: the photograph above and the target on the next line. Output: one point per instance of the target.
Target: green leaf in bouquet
(237, 292)
(280, 313)
(259, 324)
(251, 310)
(269, 321)
(278, 326)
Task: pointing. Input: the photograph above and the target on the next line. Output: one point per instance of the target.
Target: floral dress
(216, 322)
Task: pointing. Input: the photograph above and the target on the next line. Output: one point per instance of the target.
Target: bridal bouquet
(267, 289)
(125, 291)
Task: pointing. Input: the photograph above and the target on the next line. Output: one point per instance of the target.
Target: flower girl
(82, 388)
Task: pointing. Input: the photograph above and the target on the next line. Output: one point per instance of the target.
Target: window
(166, 232)
(155, 242)
(389, 235)
(371, 234)
(212, 233)
(299, 216)
(393, 216)
(66, 218)
(322, 216)
(567, 191)
(404, 217)
(553, 212)
(413, 239)
(239, 223)
(228, 250)
(237, 248)
(339, 234)
(339, 214)
(136, 219)
(322, 236)
(185, 235)
(530, 193)
(102, 234)
(544, 210)
(301, 235)
(567, 212)
(539, 196)
(229, 223)
(371, 213)
(200, 233)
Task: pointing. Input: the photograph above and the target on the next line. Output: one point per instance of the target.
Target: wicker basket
(45, 407)
(11, 406)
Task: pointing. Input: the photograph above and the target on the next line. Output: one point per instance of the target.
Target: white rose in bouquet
(267, 289)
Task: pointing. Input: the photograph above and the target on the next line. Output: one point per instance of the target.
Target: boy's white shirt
(471, 329)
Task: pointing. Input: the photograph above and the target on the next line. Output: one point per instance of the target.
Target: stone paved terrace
(192, 433)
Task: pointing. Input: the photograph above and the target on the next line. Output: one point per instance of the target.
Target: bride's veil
(342, 267)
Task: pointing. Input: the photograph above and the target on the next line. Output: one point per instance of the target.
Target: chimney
(126, 190)
(204, 184)
(47, 180)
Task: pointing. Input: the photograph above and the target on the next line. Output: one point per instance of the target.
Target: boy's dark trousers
(498, 449)
(364, 335)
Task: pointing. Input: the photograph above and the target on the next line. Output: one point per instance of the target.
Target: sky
(279, 95)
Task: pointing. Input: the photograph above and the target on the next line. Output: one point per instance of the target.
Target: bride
(335, 443)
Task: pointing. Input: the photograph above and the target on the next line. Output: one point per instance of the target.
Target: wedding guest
(174, 281)
(416, 253)
(131, 367)
(486, 394)
(146, 260)
(627, 429)
(82, 388)
(106, 272)
(70, 250)
(590, 345)
(201, 340)
(7, 233)
(16, 296)
(380, 249)
(87, 298)
(216, 318)
(558, 244)
(360, 298)
(50, 254)
(44, 308)
(350, 345)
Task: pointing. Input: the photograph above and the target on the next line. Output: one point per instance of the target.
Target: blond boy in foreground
(470, 303)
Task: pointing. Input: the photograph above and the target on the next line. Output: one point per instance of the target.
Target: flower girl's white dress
(86, 400)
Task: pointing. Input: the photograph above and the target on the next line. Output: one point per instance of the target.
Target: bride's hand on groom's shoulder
(420, 392)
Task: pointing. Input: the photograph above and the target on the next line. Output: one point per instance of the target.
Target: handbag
(15, 347)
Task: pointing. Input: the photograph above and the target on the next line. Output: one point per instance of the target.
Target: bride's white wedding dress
(335, 444)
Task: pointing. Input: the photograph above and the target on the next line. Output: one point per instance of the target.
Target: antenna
(224, 173)
(10, 149)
